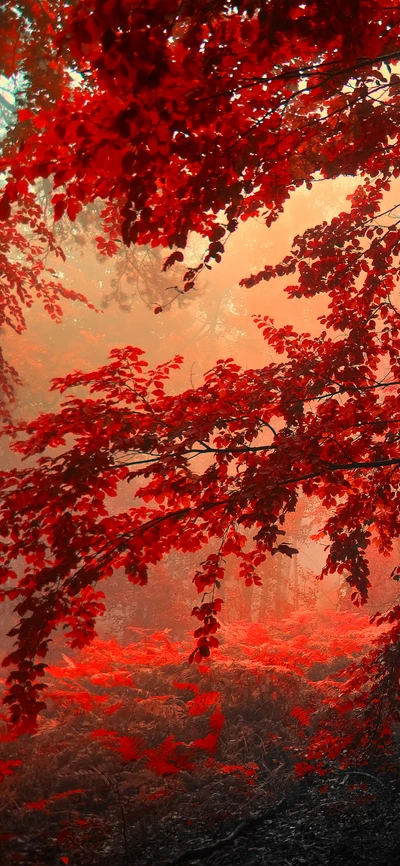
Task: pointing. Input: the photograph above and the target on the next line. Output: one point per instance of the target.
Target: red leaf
(249, 770)
(5, 208)
(208, 743)
(37, 805)
(202, 702)
(59, 209)
(192, 686)
(302, 768)
(217, 721)
(7, 768)
(25, 114)
(128, 748)
(177, 256)
(301, 715)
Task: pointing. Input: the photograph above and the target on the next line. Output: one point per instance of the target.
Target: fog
(213, 321)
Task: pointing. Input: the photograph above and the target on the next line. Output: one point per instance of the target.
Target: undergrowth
(134, 737)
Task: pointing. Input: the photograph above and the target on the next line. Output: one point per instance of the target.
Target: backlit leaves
(186, 119)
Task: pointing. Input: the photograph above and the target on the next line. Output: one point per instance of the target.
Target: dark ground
(355, 821)
(352, 818)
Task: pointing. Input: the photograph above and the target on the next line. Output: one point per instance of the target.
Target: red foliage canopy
(187, 117)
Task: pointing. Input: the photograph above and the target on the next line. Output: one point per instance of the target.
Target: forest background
(294, 630)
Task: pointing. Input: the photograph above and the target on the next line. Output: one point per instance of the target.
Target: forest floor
(143, 760)
(353, 821)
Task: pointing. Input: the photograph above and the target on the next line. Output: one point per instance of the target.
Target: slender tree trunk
(295, 584)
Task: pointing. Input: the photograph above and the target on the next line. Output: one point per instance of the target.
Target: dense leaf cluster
(185, 118)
